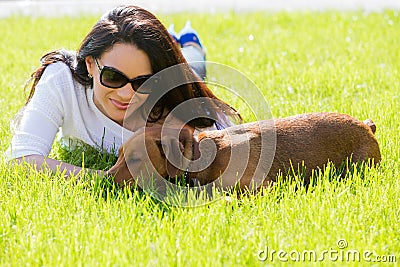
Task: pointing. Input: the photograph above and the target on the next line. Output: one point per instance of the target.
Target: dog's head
(154, 150)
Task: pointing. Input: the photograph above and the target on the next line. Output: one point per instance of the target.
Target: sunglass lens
(137, 85)
(112, 78)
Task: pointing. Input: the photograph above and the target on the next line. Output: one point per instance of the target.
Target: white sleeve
(40, 120)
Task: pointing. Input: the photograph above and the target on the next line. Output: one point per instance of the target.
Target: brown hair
(137, 26)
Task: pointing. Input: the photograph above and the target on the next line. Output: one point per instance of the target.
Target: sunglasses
(113, 78)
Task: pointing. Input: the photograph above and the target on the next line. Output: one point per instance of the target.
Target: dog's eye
(132, 161)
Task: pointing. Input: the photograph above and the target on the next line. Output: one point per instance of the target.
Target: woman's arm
(40, 163)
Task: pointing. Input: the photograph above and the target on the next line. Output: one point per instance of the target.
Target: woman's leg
(192, 48)
(196, 59)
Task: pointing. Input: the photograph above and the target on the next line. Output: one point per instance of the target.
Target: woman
(86, 95)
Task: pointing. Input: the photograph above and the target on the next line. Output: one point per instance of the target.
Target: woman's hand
(40, 163)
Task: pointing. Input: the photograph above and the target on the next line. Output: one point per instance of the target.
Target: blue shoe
(188, 36)
(172, 32)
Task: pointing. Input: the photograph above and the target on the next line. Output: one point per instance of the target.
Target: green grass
(301, 62)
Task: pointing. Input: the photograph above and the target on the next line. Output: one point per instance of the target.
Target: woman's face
(132, 62)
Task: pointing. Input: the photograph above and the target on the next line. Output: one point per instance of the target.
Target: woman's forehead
(128, 59)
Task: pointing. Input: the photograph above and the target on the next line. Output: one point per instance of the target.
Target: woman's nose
(126, 92)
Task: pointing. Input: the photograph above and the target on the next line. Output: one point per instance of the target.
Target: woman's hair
(136, 26)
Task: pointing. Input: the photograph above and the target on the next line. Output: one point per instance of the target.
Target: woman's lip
(119, 105)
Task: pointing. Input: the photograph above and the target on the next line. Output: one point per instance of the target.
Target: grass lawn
(301, 62)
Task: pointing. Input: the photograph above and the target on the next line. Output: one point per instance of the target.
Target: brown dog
(251, 155)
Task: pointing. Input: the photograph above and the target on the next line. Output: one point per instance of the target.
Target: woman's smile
(119, 105)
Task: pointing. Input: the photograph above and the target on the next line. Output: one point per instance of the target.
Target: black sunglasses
(113, 78)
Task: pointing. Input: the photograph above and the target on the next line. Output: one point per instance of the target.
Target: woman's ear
(90, 65)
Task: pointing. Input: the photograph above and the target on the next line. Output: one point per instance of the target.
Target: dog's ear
(187, 140)
(156, 155)
(160, 151)
(177, 151)
(174, 150)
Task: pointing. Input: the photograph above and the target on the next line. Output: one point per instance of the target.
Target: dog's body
(248, 151)
(309, 140)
